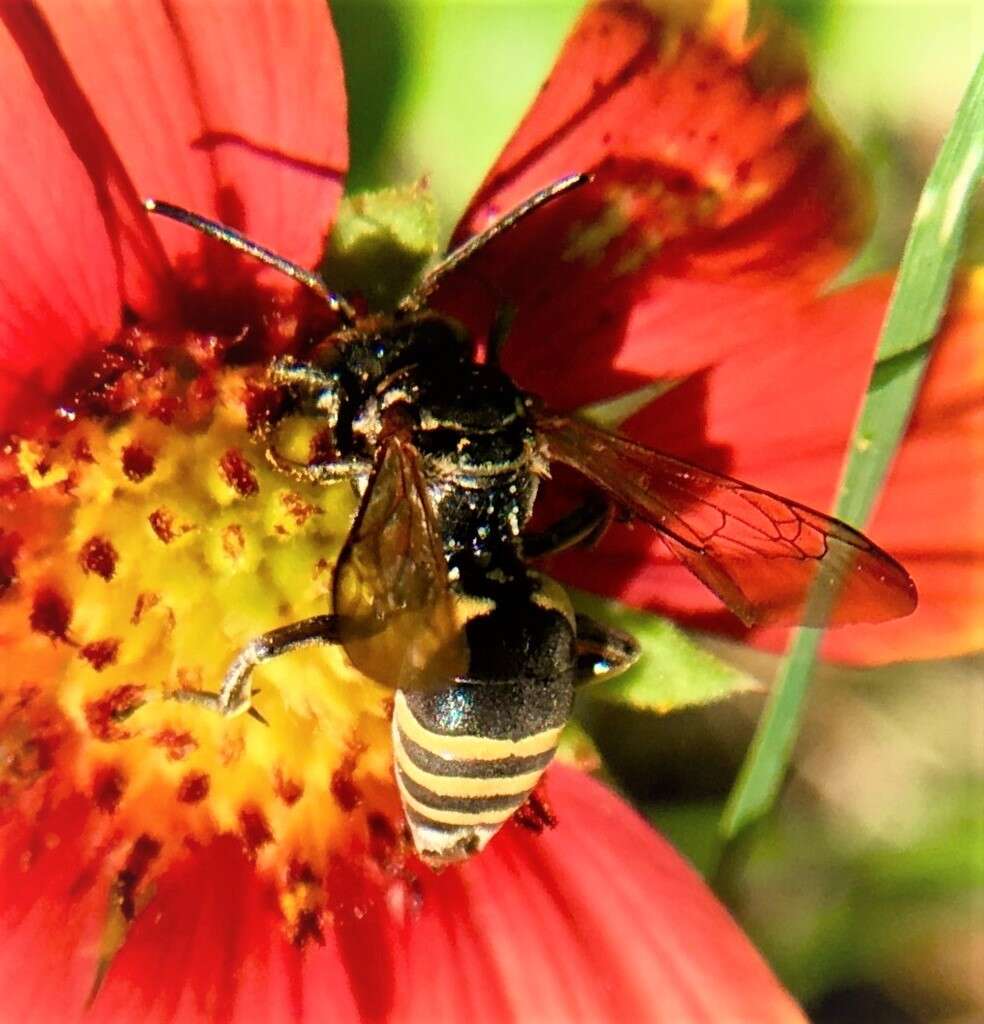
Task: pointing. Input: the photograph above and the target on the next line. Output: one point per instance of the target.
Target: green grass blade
(917, 307)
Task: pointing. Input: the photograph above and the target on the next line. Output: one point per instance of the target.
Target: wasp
(435, 593)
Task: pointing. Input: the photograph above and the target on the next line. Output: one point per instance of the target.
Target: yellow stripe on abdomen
(462, 785)
(443, 816)
(470, 748)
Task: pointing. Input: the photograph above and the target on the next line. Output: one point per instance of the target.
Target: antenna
(242, 244)
(466, 250)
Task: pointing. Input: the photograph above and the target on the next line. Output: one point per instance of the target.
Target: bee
(434, 594)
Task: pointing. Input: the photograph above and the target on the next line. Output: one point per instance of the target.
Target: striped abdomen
(466, 758)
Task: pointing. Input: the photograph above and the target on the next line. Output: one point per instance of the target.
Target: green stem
(915, 312)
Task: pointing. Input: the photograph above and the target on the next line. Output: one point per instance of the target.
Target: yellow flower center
(138, 554)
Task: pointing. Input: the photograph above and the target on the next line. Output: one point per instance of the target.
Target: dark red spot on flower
(162, 523)
(307, 928)
(107, 376)
(201, 393)
(263, 406)
(27, 696)
(343, 788)
(82, 451)
(238, 473)
(297, 508)
(254, 829)
(289, 790)
(300, 872)
(108, 784)
(176, 744)
(137, 461)
(193, 788)
(305, 884)
(165, 409)
(106, 715)
(68, 485)
(98, 556)
(383, 839)
(142, 855)
(10, 545)
(50, 614)
(101, 653)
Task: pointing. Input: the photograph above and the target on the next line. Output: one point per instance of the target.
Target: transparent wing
(396, 612)
(759, 553)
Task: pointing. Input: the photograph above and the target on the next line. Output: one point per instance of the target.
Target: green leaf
(914, 315)
(381, 242)
(672, 672)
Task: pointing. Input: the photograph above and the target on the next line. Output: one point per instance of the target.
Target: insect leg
(318, 472)
(323, 387)
(585, 524)
(601, 651)
(287, 371)
(235, 693)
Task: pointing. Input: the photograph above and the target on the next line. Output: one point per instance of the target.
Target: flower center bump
(144, 540)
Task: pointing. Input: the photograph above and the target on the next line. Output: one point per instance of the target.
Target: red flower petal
(59, 290)
(53, 900)
(598, 920)
(716, 195)
(232, 108)
(779, 414)
(211, 946)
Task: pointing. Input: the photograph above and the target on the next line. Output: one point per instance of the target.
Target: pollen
(139, 553)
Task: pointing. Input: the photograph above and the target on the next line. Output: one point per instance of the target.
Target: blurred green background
(865, 888)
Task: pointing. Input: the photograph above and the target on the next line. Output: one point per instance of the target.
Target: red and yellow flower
(200, 868)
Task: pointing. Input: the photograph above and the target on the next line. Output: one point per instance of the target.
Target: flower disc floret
(141, 550)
